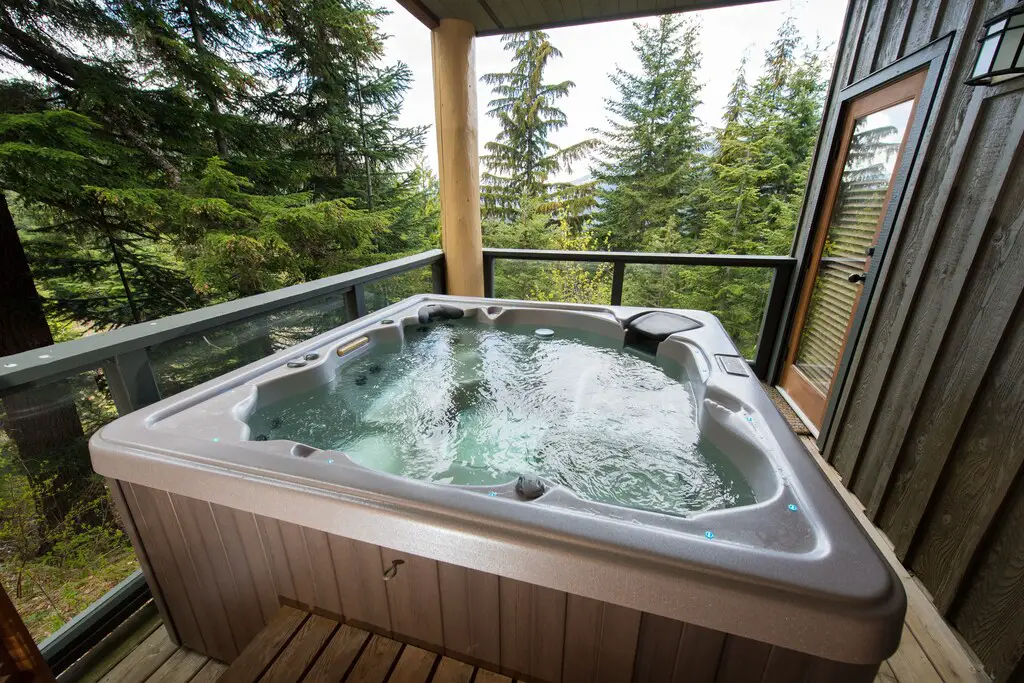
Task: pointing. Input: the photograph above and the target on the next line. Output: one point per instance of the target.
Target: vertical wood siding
(929, 433)
(217, 592)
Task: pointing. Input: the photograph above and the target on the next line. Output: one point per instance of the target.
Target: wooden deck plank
(375, 661)
(951, 659)
(301, 651)
(263, 649)
(452, 671)
(336, 659)
(485, 676)
(910, 664)
(143, 660)
(180, 667)
(210, 673)
(414, 666)
(885, 674)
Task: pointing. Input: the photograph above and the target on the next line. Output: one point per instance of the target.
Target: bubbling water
(468, 403)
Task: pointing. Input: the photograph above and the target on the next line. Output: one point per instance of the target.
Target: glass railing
(62, 549)
(747, 292)
(65, 560)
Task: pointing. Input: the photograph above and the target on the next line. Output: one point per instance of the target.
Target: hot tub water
(466, 403)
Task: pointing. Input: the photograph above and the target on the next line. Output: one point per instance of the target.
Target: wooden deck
(299, 646)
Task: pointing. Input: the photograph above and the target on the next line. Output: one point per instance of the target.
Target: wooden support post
(458, 163)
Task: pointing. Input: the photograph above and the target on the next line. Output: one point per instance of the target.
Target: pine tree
(522, 162)
(651, 153)
(751, 198)
(346, 103)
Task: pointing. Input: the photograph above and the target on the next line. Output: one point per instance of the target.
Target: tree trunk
(42, 421)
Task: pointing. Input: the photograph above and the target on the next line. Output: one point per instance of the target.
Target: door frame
(931, 58)
(907, 88)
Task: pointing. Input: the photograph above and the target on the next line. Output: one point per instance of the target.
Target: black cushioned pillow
(658, 326)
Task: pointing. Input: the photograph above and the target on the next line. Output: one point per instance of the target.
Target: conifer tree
(651, 153)
(522, 162)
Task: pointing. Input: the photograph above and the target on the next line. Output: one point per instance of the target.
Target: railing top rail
(91, 351)
(652, 258)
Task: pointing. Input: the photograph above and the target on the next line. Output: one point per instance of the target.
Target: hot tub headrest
(432, 312)
(659, 326)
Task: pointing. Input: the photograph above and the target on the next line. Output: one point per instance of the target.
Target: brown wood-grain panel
(360, 582)
(532, 630)
(987, 457)
(699, 653)
(204, 540)
(168, 581)
(870, 37)
(277, 557)
(298, 563)
(338, 656)
(786, 666)
(893, 32)
(301, 651)
(131, 528)
(254, 587)
(185, 543)
(743, 660)
(264, 648)
(657, 649)
(469, 611)
(600, 641)
(948, 377)
(324, 574)
(990, 610)
(168, 576)
(414, 600)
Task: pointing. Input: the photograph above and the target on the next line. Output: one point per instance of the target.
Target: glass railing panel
(568, 281)
(183, 363)
(386, 291)
(61, 543)
(738, 296)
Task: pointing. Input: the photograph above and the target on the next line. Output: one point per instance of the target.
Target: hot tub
(558, 492)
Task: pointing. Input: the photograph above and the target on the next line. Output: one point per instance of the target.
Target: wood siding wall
(221, 574)
(929, 433)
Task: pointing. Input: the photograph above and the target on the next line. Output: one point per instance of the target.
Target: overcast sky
(593, 51)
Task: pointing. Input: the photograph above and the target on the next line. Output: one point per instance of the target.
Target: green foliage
(522, 161)
(651, 153)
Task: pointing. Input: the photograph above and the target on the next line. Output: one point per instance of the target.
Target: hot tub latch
(392, 571)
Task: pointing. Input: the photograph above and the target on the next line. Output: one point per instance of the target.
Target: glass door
(858, 190)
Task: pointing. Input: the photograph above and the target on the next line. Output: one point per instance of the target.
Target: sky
(592, 51)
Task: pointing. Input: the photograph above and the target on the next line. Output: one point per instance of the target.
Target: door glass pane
(852, 230)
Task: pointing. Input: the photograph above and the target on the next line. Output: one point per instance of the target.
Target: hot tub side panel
(220, 574)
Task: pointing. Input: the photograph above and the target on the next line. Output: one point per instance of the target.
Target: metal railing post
(618, 275)
(771, 320)
(131, 381)
(355, 301)
(488, 276)
(437, 276)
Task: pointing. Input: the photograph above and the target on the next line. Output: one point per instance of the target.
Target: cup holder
(494, 310)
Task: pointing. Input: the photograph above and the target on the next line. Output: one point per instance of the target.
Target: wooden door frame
(932, 59)
(907, 88)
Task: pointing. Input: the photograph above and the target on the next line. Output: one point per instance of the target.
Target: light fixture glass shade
(1001, 56)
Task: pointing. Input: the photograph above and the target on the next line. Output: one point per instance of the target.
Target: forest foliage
(160, 156)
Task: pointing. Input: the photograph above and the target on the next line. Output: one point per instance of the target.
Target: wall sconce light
(1000, 57)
